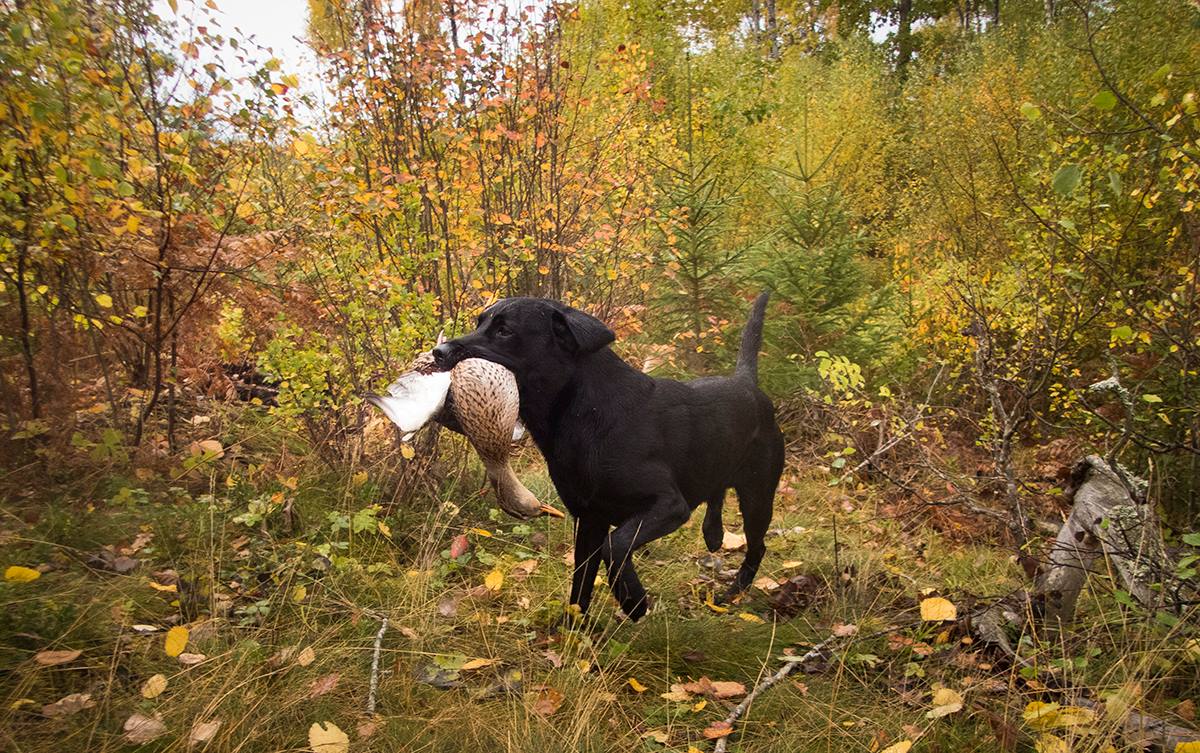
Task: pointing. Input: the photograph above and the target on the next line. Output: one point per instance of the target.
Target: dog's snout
(441, 354)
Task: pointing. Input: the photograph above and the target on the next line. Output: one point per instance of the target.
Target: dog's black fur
(629, 452)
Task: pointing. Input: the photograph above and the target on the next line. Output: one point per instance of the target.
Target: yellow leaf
(306, 656)
(1192, 747)
(753, 618)
(900, 747)
(407, 451)
(700, 706)
(177, 638)
(104, 300)
(937, 609)
(945, 701)
(299, 593)
(18, 574)
(1051, 744)
(153, 687)
(326, 737)
(637, 686)
(714, 606)
(168, 588)
(132, 223)
(494, 580)
(478, 663)
(301, 148)
(482, 532)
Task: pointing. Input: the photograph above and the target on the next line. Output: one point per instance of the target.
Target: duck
(478, 399)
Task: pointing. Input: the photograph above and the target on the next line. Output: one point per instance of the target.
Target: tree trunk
(904, 36)
(772, 30)
(1105, 521)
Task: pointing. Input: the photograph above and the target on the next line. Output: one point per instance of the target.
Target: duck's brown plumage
(483, 404)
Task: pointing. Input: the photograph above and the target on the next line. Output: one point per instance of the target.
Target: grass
(256, 594)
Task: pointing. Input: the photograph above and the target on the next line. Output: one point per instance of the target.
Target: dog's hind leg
(756, 504)
(714, 531)
(756, 500)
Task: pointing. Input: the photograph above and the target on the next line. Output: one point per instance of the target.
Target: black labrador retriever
(626, 451)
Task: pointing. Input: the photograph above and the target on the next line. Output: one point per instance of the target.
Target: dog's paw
(635, 611)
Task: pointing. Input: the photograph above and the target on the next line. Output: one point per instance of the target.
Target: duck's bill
(552, 511)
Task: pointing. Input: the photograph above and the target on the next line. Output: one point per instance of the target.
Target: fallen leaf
(202, 732)
(1050, 744)
(554, 659)
(168, 588)
(714, 606)
(725, 689)
(766, 583)
(176, 641)
(698, 707)
(190, 659)
(751, 618)
(523, 569)
(19, 574)
(459, 546)
(326, 737)
(548, 701)
(68, 704)
(145, 629)
(207, 446)
(732, 541)
(937, 609)
(677, 694)
(637, 686)
(154, 686)
(306, 656)
(717, 730)
(140, 729)
(51, 658)
(478, 663)
(1186, 710)
(493, 580)
(900, 747)
(844, 631)
(657, 735)
(946, 701)
(366, 729)
(323, 685)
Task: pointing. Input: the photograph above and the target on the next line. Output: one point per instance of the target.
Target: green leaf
(1031, 111)
(1104, 100)
(1152, 398)
(1191, 538)
(1123, 333)
(1114, 183)
(1066, 179)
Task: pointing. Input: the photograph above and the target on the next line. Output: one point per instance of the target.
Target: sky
(277, 24)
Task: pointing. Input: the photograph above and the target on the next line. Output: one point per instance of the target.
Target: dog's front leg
(589, 541)
(667, 513)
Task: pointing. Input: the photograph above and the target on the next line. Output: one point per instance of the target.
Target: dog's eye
(502, 330)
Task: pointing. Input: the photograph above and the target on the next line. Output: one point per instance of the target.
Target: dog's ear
(580, 333)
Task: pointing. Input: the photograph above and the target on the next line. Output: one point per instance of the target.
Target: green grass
(253, 593)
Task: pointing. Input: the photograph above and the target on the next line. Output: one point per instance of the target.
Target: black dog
(627, 451)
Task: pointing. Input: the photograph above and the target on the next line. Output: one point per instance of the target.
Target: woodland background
(969, 214)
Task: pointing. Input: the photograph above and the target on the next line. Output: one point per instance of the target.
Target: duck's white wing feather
(414, 399)
(518, 431)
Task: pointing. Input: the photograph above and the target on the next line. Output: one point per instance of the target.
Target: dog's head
(527, 334)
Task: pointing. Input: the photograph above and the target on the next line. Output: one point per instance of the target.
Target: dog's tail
(747, 361)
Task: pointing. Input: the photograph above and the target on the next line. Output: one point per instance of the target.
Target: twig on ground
(375, 667)
(790, 666)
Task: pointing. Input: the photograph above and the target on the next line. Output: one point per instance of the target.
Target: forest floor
(282, 584)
